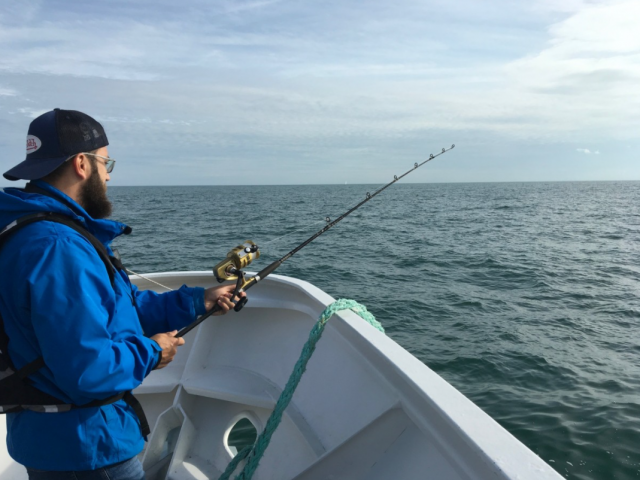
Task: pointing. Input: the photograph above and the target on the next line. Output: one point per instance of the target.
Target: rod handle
(198, 321)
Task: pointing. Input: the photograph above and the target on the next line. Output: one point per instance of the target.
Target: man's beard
(93, 196)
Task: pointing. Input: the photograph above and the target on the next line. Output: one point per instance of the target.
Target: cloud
(596, 49)
(50, 49)
(587, 151)
(566, 6)
(598, 38)
(295, 80)
(249, 5)
(584, 81)
(272, 66)
(31, 112)
(7, 92)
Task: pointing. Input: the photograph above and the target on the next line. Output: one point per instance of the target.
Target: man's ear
(81, 166)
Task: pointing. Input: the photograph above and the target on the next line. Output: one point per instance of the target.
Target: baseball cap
(52, 138)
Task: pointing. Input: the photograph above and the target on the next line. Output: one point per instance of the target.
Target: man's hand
(169, 345)
(222, 297)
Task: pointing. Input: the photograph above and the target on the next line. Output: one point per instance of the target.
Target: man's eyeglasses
(109, 162)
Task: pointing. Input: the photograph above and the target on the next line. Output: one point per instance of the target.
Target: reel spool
(237, 259)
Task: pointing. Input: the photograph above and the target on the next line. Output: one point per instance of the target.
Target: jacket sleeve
(70, 300)
(165, 312)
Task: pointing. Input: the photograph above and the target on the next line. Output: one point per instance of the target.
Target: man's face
(93, 194)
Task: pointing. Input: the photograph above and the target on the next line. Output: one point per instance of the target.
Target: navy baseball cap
(52, 138)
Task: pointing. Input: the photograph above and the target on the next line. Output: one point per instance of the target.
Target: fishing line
(305, 227)
(309, 225)
(231, 268)
(131, 272)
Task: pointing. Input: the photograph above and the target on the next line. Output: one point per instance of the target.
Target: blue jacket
(57, 301)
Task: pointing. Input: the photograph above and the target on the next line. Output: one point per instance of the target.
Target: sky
(261, 92)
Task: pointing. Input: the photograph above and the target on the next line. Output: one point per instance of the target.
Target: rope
(255, 453)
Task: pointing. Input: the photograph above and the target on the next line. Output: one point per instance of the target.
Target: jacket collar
(104, 230)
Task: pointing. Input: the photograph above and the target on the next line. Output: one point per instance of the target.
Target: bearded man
(76, 337)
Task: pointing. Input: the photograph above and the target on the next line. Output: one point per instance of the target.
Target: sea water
(524, 296)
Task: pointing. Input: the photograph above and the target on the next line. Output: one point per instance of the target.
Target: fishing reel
(231, 269)
(237, 259)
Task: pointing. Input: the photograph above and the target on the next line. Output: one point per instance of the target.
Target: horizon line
(380, 184)
(346, 184)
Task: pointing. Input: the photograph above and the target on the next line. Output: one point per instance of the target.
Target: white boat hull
(365, 408)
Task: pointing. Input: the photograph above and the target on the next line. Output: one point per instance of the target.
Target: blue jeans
(129, 470)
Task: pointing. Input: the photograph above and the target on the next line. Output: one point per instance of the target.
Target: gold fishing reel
(237, 259)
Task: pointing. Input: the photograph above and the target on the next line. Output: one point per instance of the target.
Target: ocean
(524, 296)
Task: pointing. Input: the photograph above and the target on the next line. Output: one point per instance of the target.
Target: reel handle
(240, 304)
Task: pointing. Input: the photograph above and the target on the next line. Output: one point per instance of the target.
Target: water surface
(524, 296)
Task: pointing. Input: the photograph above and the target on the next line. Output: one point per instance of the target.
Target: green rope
(255, 453)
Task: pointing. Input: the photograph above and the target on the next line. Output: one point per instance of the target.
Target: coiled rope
(255, 452)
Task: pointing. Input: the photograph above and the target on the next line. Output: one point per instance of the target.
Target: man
(61, 301)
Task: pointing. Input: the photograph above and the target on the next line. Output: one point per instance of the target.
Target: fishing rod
(231, 268)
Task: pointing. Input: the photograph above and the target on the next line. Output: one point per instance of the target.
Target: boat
(365, 409)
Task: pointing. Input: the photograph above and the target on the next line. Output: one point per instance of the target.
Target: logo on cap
(33, 144)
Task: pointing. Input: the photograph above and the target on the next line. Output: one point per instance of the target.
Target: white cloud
(385, 82)
(586, 79)
(249, 5)
(267, 74)
(30, 112)
(587, 151)
(7, 92)
(596, 48)
(131, 50)
(566, 6)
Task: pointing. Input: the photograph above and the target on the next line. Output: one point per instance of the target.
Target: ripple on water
(524, 296)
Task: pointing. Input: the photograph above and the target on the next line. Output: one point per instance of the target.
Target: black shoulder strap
(11, 229)
(21, 388)
(115, 259)
(22, 222)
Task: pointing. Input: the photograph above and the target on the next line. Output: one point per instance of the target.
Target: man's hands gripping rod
(217, 301)
(222, 298)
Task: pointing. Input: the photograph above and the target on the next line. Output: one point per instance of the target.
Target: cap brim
(34, 169)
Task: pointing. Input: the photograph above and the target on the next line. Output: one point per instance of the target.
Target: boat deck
(364, 409)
